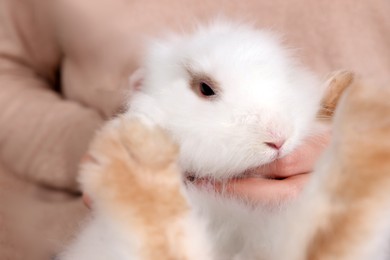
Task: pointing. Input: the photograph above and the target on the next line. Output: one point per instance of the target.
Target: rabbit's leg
(354, 179)
(134, 180)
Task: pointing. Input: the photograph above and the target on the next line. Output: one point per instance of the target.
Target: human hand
(288, 174)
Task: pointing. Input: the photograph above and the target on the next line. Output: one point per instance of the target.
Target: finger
(87, 158)
(264, 191)
(87, 201)
(301, 160)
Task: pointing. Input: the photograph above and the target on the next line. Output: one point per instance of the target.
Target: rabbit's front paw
(132, 161)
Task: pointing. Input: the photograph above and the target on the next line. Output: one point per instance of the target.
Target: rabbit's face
(231, 97)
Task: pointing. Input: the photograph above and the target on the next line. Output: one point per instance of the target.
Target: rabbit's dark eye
(204, 86)
(206, 90)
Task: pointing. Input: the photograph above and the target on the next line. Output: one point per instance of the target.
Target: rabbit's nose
(277, 144)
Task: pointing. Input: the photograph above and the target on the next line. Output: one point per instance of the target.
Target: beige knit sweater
(64, 67)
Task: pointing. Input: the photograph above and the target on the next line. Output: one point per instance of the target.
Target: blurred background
(64, 68)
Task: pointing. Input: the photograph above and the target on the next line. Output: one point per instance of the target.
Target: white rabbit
(233, 99)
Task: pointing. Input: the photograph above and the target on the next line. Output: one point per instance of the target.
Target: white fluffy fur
(264, 93)
(105, 238)
(102, 239)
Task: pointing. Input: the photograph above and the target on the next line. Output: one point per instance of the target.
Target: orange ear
(136, 79)
(336, 85)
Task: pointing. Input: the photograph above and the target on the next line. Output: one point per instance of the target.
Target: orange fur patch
(358, 181)
(136, 177)
(336, 85)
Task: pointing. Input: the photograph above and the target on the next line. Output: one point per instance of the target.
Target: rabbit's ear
(136, 79)
(335, 86)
